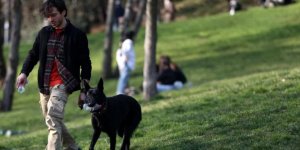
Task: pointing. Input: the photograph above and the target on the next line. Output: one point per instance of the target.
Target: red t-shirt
(54, 75)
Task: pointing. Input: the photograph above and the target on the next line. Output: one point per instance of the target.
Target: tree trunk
(7, 14)
(127, 17)
(9, 83)
(2, 61)
(103, 7)
(160, 6)
(107, 60)
(139, 18)
(45, 21)
(149, 84)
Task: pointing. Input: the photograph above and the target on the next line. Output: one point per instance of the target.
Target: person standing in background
(169, 11)
(118, 16)
(126, 61)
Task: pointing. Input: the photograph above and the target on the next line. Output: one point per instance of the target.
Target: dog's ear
(86, 86)
(100, 85)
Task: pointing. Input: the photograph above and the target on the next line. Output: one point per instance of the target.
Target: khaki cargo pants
(53, 106)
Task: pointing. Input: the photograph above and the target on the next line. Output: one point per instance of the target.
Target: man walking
(61, 50)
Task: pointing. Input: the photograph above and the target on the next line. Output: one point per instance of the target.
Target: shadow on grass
(4, 148)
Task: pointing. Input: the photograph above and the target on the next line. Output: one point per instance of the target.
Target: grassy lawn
(244, 88)
(194, 8)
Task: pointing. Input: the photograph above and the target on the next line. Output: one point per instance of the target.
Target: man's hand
(82, 95)
(81, 99)
(21, 80)
(86, 80)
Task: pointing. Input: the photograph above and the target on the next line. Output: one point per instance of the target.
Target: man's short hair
(58, 4)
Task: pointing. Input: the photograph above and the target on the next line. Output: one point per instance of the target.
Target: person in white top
(126, 61)
(168, 11)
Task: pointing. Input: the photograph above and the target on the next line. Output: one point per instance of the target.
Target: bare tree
(168, 11)
(12, 65)
(45, 21)
(2, 61)
(139, 17)
(79, 13)
(149, 83)
(127, 17)
(107, 60)
(103, 8)
(7, 20)
(134, 14)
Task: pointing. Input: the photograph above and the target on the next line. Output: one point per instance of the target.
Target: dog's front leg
(94, 139)
(112, 138)
(96, 133)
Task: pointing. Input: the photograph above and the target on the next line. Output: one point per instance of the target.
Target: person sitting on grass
(170, 76)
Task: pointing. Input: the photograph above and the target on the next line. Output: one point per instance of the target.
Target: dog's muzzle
(89, 101)
(96, 107)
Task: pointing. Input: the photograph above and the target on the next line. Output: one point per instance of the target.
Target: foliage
(244, 71)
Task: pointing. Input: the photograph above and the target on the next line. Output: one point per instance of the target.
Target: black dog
(118, 114)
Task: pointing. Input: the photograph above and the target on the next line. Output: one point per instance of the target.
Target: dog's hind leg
(121, 132)
(126, 141)
(129, 129)
(121, 129)
(112, 138)
(127, 135)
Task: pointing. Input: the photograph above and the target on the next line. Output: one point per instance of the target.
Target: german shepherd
(118, 114)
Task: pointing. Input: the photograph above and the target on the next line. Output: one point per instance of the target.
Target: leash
(97, 113)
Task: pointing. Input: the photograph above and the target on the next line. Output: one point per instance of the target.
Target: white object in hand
(8, 133)
(21, 83)
(86, 107)
(21, 89)
(231, 12)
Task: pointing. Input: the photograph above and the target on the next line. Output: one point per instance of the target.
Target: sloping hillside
(244, 92)
(196, 8)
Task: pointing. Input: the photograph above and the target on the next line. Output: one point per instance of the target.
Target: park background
(244, 91)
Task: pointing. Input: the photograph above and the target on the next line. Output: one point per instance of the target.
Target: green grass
(245, 80)
(194, 8)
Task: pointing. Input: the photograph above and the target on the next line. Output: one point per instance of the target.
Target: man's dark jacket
(76, 54)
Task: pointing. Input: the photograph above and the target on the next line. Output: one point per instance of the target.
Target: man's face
(55, 18)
